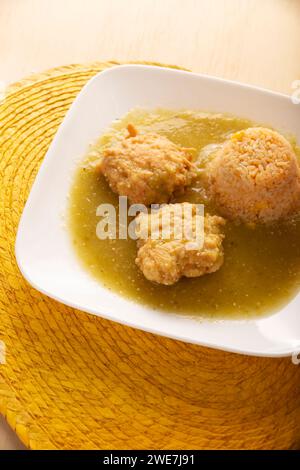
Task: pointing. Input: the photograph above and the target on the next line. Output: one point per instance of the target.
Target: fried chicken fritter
(166, 260)
(147, 168)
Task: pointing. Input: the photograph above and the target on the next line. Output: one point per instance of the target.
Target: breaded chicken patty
(255, 176)
(166, 259)
(147, 168)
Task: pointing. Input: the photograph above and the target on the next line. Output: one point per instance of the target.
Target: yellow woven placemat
(74, 381)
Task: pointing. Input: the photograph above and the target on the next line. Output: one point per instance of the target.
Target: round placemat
(74, 381)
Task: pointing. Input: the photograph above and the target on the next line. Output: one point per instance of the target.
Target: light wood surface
(254, 41)
(8, 439)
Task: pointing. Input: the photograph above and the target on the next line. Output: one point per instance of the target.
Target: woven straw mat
(75, 381)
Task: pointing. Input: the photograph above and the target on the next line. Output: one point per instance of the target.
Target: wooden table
(253, 41)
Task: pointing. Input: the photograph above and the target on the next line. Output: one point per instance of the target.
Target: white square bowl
(43, 248)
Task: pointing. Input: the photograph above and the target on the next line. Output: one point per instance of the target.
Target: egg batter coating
(255, 177)
(166, 260)
(147, 168)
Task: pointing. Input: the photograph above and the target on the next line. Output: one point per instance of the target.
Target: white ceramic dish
(43, 249)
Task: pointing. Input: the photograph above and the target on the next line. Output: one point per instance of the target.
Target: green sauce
(261, 272)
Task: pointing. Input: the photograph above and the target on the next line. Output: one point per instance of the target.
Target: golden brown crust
(147, 168)
(165, 261)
